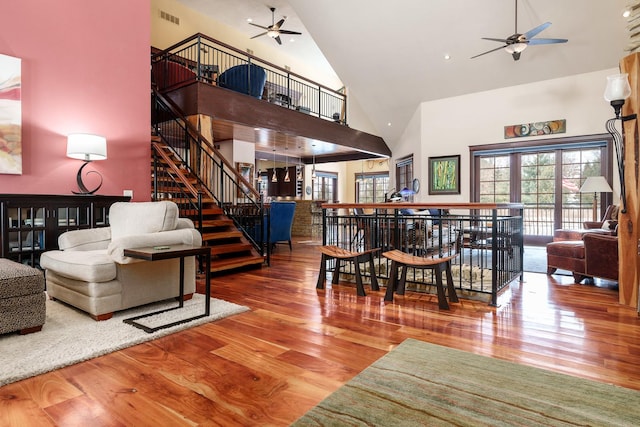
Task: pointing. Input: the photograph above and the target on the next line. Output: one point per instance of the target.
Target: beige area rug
(421, 384)
(70, 336)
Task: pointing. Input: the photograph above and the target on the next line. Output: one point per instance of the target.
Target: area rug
(70, 336)
(420, 384)
(534, 260)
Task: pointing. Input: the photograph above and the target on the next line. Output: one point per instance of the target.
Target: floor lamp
(595, 185)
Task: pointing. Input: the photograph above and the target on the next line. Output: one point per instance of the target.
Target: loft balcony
(253, 100)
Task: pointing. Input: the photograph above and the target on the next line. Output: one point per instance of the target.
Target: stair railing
(217, 177)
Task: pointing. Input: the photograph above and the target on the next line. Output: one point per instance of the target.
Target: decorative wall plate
(416, 185)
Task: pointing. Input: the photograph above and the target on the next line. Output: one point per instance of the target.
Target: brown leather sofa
(596, 255)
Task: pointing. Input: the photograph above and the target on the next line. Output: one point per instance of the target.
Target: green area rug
(70, 336)
(421, 384)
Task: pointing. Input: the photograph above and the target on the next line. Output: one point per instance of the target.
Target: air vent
(169, 17)
(249, 51)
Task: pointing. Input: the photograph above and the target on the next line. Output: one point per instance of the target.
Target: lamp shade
(86, 147)
(596, 184)
(618, 87)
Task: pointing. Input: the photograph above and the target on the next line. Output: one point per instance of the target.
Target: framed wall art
(10, 115)
(444, 175)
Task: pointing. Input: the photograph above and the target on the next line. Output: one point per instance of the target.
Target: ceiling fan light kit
(516, 43)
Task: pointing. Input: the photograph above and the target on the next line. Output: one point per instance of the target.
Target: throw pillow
(609, 225)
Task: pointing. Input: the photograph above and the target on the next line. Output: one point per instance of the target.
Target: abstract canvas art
(535, 129)
(10, 115)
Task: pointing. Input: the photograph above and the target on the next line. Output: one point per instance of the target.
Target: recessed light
(249, 20)
(626, 13)
(447, 56)
(389, 124)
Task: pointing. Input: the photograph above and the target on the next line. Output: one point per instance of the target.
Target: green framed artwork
(444, 175)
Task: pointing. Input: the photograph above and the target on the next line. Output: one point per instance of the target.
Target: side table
(158, 253)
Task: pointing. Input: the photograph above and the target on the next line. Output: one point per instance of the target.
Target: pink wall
(85, 68)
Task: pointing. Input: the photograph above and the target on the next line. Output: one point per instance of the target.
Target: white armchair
(91, 272)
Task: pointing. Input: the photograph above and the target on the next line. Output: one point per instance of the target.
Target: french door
(546, 177)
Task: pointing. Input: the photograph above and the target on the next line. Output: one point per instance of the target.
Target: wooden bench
(343, 255)
(438, 265)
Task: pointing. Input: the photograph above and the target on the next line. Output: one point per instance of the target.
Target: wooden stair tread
(236, 262)
(229, 234)
(220, 222)
(231, 248)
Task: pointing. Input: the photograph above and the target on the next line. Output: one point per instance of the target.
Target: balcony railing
(486, 238)
(201, 58)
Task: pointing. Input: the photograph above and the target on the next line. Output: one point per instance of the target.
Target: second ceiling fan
(516, 43)
(275, 29)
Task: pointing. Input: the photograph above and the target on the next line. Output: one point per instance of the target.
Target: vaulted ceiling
(391, 55)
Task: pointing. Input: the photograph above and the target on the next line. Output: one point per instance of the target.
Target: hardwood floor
(297, 345)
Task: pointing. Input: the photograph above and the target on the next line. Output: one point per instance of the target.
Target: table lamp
(86, 147)
(595, 185)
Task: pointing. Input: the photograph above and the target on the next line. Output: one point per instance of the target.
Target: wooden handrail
(408, 205)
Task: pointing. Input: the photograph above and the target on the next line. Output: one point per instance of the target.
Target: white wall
(243, 152)
(449, 126)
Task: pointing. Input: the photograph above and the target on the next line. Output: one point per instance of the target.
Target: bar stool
(438, 265)
(343, 255)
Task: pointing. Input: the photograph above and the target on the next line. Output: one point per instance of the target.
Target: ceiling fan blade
(532, 33)
(289, 32)
(259, 26)
(546, 41)
(489, 51)
(278, 25)
(278, 39)
(495, 40)
(261, 34)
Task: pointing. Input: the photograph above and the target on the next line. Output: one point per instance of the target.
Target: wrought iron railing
(542, 219)
(202, 58)
(487, 240)
(216, 177)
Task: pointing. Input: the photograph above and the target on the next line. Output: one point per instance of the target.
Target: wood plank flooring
(298, 344)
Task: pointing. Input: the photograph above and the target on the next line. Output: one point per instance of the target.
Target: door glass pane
(577, 166)
(495, 183)
(537, 187)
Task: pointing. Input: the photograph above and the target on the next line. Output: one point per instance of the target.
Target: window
(371, 187)
(324, 186)
(404, 173)
(545, 177)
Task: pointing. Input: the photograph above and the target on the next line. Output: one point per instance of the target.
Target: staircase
(171, 179)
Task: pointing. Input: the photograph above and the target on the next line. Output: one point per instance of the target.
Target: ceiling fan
(274, 30)
(516, 43)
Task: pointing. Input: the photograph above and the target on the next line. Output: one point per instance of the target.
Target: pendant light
(313, 169)
(286, 160)
(274, 178)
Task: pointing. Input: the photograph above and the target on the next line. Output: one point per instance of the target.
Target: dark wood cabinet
(32, 223)
(293, 188)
